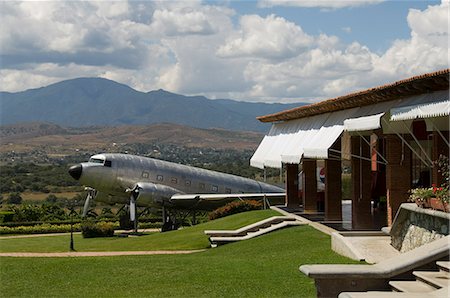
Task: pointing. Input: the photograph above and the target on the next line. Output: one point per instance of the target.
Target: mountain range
(86, 102)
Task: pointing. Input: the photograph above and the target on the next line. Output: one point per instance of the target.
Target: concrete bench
(250, 228)
(331, 280)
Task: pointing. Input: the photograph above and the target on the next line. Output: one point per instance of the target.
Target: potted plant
(421, 196)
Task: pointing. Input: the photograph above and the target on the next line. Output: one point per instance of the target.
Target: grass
(265, 266)
(187, 238)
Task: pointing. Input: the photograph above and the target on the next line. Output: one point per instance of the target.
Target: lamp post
(72, 211)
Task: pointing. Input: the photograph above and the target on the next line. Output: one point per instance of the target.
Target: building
(390, 134)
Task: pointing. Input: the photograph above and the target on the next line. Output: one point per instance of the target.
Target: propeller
(89, 197)
(134, 195)
(132, 208)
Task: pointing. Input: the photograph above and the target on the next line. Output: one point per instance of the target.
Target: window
(202, 186)
(227, 190)
(214, 188)
(159, 177)
(96, 160)
(145, 174)
(188, 183)
(107, 163)
(174, 180)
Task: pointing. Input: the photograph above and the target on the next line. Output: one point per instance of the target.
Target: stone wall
(414, 226)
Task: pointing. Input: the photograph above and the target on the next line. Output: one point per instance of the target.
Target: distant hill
(32, 136)
(95, 101)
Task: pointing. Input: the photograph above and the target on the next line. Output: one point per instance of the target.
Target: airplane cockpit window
(97, 160)
(107, 163)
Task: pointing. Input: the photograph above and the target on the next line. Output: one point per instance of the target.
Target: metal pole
(71, 230)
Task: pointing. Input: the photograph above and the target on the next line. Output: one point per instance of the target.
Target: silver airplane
(146, 182)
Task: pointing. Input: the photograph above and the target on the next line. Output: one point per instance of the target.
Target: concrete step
(411, 286)
(443, 266)
(437, 279)
(380, 294)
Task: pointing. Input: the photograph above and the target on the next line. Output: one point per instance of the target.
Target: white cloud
(317, 3)
(347, 29)
(271, 38)
(192, 48)
(172, 23)
(426, 50)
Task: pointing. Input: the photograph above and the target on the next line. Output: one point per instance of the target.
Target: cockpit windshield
(97, 160)
(100, 160)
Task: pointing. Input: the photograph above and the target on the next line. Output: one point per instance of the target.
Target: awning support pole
(376, 151)
(406, 143)
(360, 157)
(418, 143)
(360, 171)
(439, 132)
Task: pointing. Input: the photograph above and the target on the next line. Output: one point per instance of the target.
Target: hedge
(235, 207)
(39, 229)
(91, 229)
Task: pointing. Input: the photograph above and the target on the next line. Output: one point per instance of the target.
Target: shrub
(90, 229)
(14, 198)
(235, 207)
(6, 216)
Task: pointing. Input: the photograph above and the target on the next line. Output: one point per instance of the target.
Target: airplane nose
(75, 171)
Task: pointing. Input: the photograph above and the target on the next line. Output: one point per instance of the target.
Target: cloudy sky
(266, 50)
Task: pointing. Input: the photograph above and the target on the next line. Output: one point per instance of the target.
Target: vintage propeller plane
(115, 178)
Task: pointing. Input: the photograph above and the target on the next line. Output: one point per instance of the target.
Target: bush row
(48, 228)
(39, 229)
(235, 207)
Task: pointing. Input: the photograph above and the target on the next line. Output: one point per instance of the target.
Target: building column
(309, 185)
(398, 175)
(361, 184)
(333, 186)
(292, 199)
(439, 148)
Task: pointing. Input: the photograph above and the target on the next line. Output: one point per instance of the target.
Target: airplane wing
(212, 201)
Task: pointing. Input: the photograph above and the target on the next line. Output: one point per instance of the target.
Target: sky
(258, 51)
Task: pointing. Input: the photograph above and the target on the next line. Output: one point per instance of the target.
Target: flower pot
(437, 204)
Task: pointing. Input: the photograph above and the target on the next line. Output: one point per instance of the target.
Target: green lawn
(265, 266)
(187, 238)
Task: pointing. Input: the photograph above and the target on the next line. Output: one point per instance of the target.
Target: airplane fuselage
(113, 174)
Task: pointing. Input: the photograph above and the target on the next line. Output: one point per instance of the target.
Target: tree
(14, 198)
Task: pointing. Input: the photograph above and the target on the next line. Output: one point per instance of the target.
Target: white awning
(286, 139)
(363, 123)
(258, 157)
(430, 110)
(368, 118)
(311, 137)
(429, 105)
(318, 146)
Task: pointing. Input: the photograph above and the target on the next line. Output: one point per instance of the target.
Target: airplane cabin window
(159, 178)
(202, 186)
(145, 174)
(107, 163)
(188, 182)
(174, 180)
(214, 188)
(227, 190)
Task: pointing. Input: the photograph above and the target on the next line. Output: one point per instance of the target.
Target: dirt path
(96, 253)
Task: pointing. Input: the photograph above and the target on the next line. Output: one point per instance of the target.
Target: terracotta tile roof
(428, 82)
